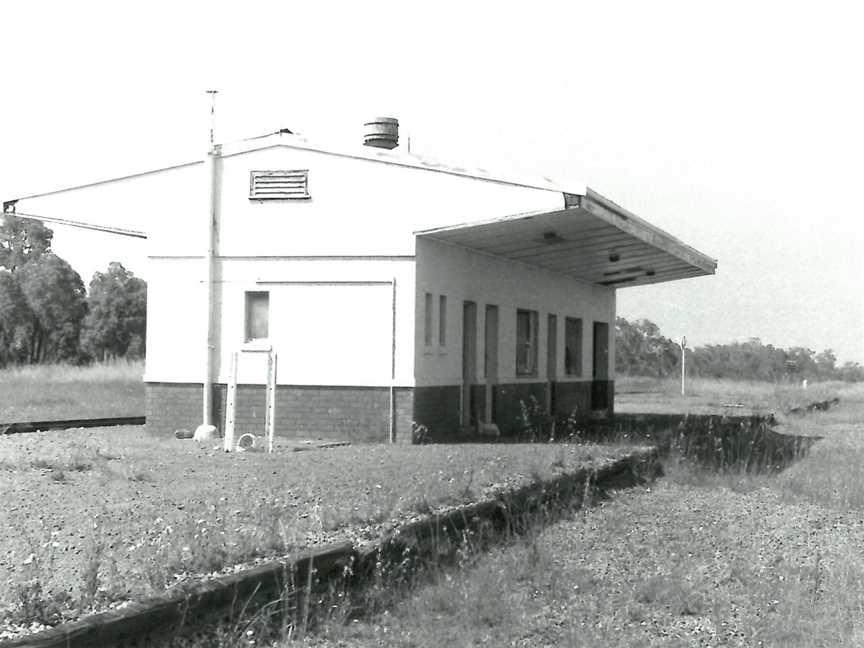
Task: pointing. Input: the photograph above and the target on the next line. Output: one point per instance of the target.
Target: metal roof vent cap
(381, 132)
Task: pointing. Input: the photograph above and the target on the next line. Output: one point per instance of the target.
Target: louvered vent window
(279, 185)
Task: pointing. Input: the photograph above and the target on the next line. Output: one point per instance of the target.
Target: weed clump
(536, 425)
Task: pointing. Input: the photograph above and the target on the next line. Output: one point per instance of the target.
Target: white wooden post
(231, 403)
(271, 399)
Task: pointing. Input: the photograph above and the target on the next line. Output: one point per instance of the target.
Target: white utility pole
(683, 362)
(212, 164)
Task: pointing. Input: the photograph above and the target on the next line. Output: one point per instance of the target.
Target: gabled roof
(282, 139)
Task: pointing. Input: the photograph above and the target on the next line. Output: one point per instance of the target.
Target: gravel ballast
(108, 515)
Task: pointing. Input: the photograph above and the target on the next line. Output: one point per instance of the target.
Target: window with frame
(442, 320)
(526, 342)
(573, 346)
(427, 320)
(257, 316)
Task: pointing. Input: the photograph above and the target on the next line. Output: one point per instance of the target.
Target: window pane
(526, 342)
(521, 339)
(490, 360)
(427, 330)
(442, 320)
(552, 346)
(533, 341)
(257, 315)
(573, 346)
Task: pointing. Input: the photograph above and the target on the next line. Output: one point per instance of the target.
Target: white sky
(737, 127)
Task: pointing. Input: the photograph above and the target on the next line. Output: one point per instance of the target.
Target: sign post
(683, 361)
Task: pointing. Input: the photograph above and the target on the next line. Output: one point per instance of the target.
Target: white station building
(393, 290)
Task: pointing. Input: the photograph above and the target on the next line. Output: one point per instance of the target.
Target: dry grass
(697, 559)
(49, 392)
(709, 395)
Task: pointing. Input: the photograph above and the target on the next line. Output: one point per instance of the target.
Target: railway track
(20, 427)
(245, 593)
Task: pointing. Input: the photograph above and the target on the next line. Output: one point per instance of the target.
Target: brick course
(506, 404)
(603, 395)
(172, 406)
(438, 409)
(360, 414)
(357, 414)
(572, 397)
(478, 404)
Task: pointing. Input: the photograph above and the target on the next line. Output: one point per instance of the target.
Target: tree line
(642, 350)
(46, 315)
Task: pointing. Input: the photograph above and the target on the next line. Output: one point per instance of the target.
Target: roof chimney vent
(381, 132)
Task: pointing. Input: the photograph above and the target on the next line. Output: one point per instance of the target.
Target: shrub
(420, 434)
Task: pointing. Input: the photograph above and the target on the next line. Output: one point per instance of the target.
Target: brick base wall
(357, 414)
(603, 395)
(360, 414)
(172, 406)
(506, 404)
(438, 409)
(572, 397)
(478, 404)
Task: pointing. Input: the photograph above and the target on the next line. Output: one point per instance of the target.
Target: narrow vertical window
(442, 320)
(552, 347)
(526, 343)
(490, 361)
(257, 316)
(573, 346)
(427, 320)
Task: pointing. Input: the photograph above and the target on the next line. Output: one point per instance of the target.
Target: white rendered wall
(324, 331)
(176, 321)
(463, 275)
(358, 209)
(357, 206)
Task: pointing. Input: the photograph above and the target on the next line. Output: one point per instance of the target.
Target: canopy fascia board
(609, 212)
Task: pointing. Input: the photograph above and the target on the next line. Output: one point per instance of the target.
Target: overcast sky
(737, 127)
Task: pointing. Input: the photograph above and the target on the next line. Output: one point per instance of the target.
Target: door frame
(600, 366)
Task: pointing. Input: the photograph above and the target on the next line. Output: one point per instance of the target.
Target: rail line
(182, 612)
(20, 427)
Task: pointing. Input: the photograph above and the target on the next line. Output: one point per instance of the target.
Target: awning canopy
(591, 239)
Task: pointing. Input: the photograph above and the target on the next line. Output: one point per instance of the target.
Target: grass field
(697, 559)
(50, 392)
(709, 396)
(116, 389)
